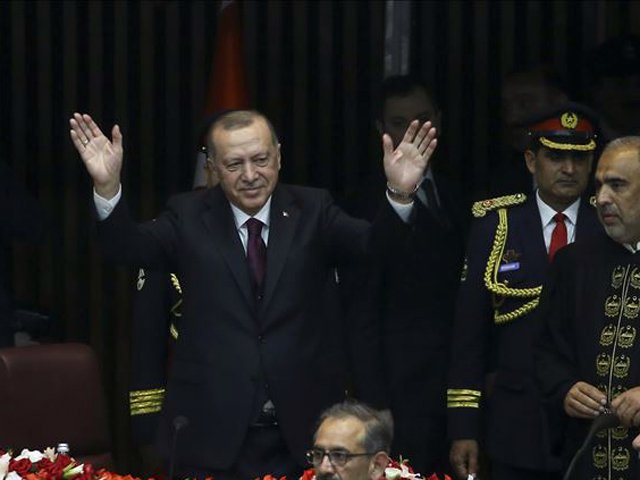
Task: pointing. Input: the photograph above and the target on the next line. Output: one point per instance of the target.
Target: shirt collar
(632, 248)
(241, 217)
(547, 213)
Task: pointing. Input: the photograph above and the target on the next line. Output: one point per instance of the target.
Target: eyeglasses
(337, 458)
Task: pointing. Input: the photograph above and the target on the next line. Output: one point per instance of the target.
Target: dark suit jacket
(228, 342)
(419, 283)
(410, 290)
(516, 433)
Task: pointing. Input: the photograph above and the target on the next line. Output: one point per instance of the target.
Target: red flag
(227, 88)
(227, 78)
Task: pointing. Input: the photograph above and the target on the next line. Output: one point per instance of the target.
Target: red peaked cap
(569, 127)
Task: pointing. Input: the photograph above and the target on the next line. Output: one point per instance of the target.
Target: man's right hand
(584, 401)
(464, 458)
(101, 157)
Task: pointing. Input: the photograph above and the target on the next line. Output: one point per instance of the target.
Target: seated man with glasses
(352, 442)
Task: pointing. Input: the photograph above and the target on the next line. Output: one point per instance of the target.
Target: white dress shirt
(548, 223)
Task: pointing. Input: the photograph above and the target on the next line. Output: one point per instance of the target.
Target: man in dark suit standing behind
(258, 356)
(412, 290)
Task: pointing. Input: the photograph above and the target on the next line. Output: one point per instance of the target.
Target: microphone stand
(602, 422)
(178, 424)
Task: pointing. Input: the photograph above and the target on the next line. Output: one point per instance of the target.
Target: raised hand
(102, 157)
(405, 166)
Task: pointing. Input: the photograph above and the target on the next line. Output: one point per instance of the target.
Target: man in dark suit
(511, 243)
(411, 291)
(259, 353)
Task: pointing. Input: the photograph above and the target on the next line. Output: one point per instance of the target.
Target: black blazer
(229, 343)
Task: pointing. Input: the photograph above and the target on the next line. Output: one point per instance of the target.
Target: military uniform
(492, 395)
(156, 315)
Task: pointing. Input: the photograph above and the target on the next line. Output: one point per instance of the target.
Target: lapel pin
(285, 213)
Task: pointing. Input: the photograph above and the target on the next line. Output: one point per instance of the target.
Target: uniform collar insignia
(510, 256)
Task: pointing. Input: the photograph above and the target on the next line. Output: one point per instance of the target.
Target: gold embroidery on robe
(631, 307)
(621, 366)
(602, 364)
(617, 276)
(626, 336)
(607, 335)
(612, 306)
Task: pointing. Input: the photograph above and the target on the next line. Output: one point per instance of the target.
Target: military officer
(155, 326)
(512, 241)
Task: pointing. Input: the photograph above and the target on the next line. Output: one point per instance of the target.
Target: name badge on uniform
(509, 267)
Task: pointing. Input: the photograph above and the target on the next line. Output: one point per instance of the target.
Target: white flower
(50, 453)
(392, 473)
(402, 473)
(13, 476)
(34, 456)
(4, 465)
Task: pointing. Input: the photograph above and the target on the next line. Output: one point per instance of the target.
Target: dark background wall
(313, 67)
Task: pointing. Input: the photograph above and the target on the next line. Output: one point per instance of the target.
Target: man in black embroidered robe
(588, 358)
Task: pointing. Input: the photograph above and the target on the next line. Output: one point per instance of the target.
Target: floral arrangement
(49, 465)
(396, 470)
(401, 470)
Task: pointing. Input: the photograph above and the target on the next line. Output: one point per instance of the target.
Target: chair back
(53, 393)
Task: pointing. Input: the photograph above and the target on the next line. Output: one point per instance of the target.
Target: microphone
(603, 421)
(178, 424)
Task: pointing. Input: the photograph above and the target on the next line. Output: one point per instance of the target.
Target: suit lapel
(218, 218)
(285, 215)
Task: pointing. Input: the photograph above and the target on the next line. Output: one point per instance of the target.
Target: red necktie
(559, 235)
(256, 252)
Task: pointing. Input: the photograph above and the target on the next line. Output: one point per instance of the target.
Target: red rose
(21, 467)
(48, 470)
(63, 460)
(308, 474)
(44, 463)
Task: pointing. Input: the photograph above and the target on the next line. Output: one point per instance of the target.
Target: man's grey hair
(631, 142)
(378, 423)
(235, 120)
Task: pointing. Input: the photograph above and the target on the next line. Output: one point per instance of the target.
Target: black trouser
(263, 452)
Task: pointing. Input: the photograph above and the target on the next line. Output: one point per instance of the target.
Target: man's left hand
(627, 407)
(405, 166)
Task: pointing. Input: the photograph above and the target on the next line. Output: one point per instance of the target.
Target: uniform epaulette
(176, 283)
(481, 208)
